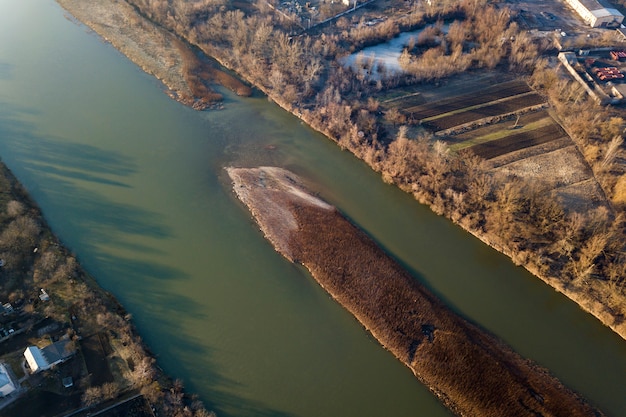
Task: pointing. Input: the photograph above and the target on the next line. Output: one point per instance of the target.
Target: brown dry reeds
(473, 372)
(198, 74)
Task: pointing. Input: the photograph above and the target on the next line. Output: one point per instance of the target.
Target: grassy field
(508, 125)
(491, 147)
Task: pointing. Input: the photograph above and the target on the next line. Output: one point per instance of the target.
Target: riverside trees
(34, 260)
(303, 73)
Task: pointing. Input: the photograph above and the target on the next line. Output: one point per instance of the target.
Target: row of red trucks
(617, 55)
(608, 73)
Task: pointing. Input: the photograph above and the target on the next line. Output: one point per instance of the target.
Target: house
(7, 386)
(46, 358)
(597, 13)
(44, 295)
(7, 308)
(34, 358)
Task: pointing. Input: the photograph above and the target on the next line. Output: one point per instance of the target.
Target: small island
(492, 113)
(471, 371)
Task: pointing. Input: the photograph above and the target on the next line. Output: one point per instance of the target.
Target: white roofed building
(46, 358)
(597, 13)
(34, 358)
(7, 386)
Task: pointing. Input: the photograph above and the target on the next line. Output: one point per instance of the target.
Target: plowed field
(496, 92)
(503, 107)
(537, 119)
(517, 141)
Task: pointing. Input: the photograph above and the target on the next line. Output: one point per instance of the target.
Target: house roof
(606, 12)
(35, 359)
(595, 4)
(57, 351)
(7, 385)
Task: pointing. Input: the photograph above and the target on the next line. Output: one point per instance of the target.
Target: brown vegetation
(580, 253)
(471, 371)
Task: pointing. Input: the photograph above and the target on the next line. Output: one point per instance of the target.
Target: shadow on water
(60, 172)
(6, 71)
(48, 167)
(178, 351)
(25, 143)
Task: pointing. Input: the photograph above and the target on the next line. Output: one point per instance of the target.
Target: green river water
(133, 183)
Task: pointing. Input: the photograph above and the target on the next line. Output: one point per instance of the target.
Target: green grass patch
(546, 121)
(398, 101)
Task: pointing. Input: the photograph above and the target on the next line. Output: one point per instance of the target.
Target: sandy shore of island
(471, 371)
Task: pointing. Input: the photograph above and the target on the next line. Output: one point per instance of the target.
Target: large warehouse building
(597, 13)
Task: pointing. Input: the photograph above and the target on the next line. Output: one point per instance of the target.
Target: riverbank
(156, 51)
(472, 372)
(53, 299)
(608, 309)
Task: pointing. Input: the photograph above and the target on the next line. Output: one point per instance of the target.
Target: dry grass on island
(471, 371)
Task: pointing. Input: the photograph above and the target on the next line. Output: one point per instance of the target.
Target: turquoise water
(134, 184)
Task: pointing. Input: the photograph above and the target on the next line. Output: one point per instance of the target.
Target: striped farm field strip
(466, 101)
(504, 132)
(517, 141)
(492, 109)
(492, 103)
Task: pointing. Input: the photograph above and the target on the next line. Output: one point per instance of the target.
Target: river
(133, 183)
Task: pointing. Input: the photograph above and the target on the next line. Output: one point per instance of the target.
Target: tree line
(581, 252)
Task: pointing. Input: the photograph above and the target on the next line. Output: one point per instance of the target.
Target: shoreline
(78, 310)
(601, 312)
(157, 51)
(149, 47)
(470, 371)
